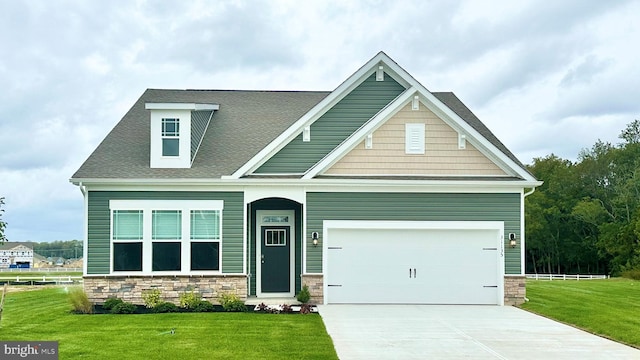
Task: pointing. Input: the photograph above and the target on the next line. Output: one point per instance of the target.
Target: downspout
(530, 192)
(524, 196)
(85, 217)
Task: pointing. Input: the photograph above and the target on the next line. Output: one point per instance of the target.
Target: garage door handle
(414, 273)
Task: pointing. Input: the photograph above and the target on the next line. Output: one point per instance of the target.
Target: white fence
(40, 280)
(565, 277)
(40, 270)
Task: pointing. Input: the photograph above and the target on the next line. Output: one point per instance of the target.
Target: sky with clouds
(545, 76)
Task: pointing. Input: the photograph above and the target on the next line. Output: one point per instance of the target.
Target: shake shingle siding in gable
(333, 127)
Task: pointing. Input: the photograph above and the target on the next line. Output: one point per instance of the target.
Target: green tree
(3, 225)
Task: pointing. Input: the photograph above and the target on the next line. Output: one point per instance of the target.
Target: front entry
(276, 244)
(275, 252)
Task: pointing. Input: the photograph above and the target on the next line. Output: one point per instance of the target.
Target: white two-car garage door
(413, 262)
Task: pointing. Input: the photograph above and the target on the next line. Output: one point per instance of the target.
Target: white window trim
(147, 206)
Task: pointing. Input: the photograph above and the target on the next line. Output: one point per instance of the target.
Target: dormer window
(177, 130)
(170, 137)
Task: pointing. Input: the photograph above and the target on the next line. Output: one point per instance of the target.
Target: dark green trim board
(416, 207)
(98, 241)
(332, 128)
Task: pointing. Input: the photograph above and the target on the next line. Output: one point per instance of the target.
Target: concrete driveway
(459, 332)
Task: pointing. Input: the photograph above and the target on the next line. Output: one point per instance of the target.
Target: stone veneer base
(515, 289)
(315, 284)
(130, 288)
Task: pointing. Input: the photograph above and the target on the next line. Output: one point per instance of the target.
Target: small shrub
(165, 307)
(110, 303)
(305, 309)
(189, 300)
(204, 306)
(151, 298)
(304, 295)
(263, 307)
(231, 302)
(633, 274)
(80, 302)
(286, 309)
(124, 308)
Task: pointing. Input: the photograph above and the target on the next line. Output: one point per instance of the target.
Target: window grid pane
(166, 256)
(205, 256)
(170, 127)
(127, 256)
(127, 224)
(170, 147)
(205, 224)
(167, 224)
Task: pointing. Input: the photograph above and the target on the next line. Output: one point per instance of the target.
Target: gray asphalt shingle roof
(245, 123)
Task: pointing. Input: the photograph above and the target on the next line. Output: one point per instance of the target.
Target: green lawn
(610, 308)
(44, 315)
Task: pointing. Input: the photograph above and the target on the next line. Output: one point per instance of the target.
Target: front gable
(336, 137)
(333, 127)
(446, 152)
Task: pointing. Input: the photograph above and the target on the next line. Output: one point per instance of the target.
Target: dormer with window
(177, 129)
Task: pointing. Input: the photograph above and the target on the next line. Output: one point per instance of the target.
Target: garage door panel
(438, 266)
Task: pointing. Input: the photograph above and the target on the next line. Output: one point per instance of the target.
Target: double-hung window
(166, 236)
(205, 239)
(170, 137)
(127, 240)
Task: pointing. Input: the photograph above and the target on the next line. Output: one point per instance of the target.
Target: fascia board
(312, 115)
(358, 136)
(336, 183)
(180, 106)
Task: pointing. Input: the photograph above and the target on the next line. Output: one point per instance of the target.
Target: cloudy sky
(545, 76)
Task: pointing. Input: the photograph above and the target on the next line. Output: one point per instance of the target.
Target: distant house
(16, 255)
(377, 192)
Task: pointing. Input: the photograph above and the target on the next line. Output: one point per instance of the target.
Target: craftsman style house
(379, 191)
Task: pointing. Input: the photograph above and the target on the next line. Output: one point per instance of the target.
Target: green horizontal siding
(413, 207)
(98, 242)
(199, 121)
(332, 128)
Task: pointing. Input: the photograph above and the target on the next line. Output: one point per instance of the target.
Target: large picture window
(166, 236)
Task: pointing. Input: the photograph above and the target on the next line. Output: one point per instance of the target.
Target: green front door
(275, 259)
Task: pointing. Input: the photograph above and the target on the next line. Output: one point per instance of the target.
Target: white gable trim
(317, 111)
(369, 127)
(437, 107)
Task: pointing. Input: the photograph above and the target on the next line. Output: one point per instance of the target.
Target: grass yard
(610, 308)
(45, 315)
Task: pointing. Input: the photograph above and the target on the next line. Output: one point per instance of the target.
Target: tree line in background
(71, 249)
(585, 218)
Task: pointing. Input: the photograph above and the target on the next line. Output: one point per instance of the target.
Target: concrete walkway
(459, 332)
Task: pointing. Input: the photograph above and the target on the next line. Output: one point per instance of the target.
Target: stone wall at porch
(514, 289)
(130, 289)
(315, 284)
